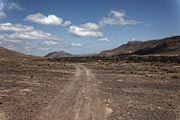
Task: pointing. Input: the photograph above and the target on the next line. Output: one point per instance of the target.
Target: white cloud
(15, 27)
(76, 44)
(50, 43)
(66, 23)
(93, 29)
(104, 39)
(84, 32)
(46, 20)
(22, 32)
(9, 38)
(90, 26)
(14, 6)
(30, 35)
(117, 18)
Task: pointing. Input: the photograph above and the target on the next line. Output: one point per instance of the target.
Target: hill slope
(59, 54)
(166, 46)
(5, 53)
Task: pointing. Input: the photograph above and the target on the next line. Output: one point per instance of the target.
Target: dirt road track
(79, 100)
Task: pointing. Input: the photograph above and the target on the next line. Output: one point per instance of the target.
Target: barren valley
(42, 89)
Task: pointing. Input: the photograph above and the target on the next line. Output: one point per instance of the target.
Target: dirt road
(89, 91)
(79, 100)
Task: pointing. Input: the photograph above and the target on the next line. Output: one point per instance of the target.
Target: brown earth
(6, 53)
(45, 90)
(164, 47)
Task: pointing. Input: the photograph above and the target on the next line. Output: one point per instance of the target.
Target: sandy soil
(44, 90)
(79, 100)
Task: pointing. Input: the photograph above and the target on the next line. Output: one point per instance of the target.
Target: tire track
(78, 101)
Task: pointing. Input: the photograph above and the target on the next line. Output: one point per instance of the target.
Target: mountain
(59, 54)
(5, 53)
(166, 46)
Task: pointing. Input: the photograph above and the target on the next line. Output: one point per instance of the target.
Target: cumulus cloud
(14, 6)
(90, 26)
(21, 32)
(86, 30)
(47, 20)
(117, 18)
(76, 44)
(104, 39)
(93, 29)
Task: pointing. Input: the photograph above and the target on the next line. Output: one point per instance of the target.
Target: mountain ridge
(165, 46)
(59, 54)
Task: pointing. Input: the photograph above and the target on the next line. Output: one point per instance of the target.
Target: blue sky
(84, 26)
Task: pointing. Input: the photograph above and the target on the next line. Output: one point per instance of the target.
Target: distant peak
(134, 42)
(59, 54)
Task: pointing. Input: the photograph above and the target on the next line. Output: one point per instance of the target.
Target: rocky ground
(52, 90)
(140, 91)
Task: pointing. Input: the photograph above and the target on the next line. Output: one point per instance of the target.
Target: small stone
(83, 91)
(108, 110)
(119, 80)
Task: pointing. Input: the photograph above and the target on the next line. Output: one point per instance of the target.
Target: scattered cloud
(30, 35)
(93, 29)
(21, 32)
(76, 44)
(50, 43)
(90, 26)
(117, 18)
(27, 39)
(47, 20)
(8, 6)
(104, 39)
(9, 27)
(14, 6)
(84, 32)
(9, 38)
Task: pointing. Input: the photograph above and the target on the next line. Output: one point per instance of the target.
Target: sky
(38, 27)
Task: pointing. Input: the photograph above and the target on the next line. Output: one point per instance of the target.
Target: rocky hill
(59, 54)
(166, 46)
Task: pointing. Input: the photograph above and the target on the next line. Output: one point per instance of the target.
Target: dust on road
(79, 100)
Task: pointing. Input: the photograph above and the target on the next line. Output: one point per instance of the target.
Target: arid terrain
(89, 60)
(42, 89)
